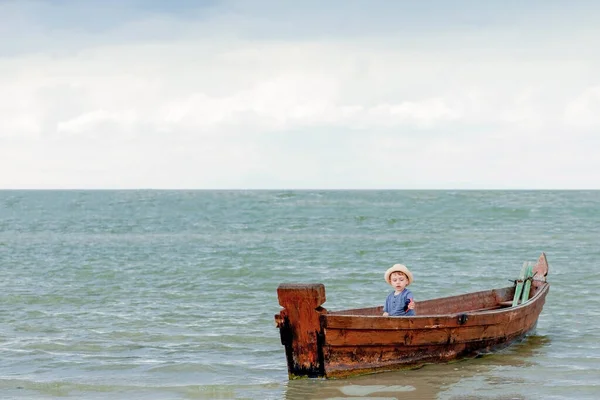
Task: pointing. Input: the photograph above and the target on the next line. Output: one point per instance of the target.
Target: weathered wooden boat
(335, 344)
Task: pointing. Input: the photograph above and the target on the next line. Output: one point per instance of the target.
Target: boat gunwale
(538, 293)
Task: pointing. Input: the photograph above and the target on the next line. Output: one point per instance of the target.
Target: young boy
(400, 302)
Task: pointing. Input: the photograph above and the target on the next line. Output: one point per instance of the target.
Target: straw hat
(399, 268)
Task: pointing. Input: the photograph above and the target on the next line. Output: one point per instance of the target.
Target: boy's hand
(411, 305)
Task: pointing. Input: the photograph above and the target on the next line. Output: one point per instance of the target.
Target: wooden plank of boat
(319, 343)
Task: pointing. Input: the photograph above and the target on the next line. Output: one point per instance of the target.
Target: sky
(149, 94)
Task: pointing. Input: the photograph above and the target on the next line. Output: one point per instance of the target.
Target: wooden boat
(322, 343)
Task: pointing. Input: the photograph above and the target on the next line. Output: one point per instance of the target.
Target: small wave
(285, 195)
(185, 367)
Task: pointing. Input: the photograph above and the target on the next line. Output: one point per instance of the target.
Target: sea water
(171, 294)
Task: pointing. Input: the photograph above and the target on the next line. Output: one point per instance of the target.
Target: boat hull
(319, 343)
(365, 344)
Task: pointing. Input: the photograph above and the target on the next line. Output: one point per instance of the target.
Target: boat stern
(300, 328)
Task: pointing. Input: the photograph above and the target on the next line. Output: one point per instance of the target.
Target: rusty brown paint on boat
(342, 343)
(300, 328)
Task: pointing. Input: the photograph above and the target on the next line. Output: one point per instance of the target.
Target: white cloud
(211, 112)
(584, 110)
(96, 120)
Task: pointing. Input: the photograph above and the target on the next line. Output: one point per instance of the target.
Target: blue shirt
(394, 304)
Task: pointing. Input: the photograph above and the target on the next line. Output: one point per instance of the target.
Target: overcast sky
(300, 94)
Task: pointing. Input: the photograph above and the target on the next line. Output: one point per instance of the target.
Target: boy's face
(399, 281)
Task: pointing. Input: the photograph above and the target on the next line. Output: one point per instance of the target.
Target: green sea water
(171, 294)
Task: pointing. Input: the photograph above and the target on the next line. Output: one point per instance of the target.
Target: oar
(527, 286)
(519, 287)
